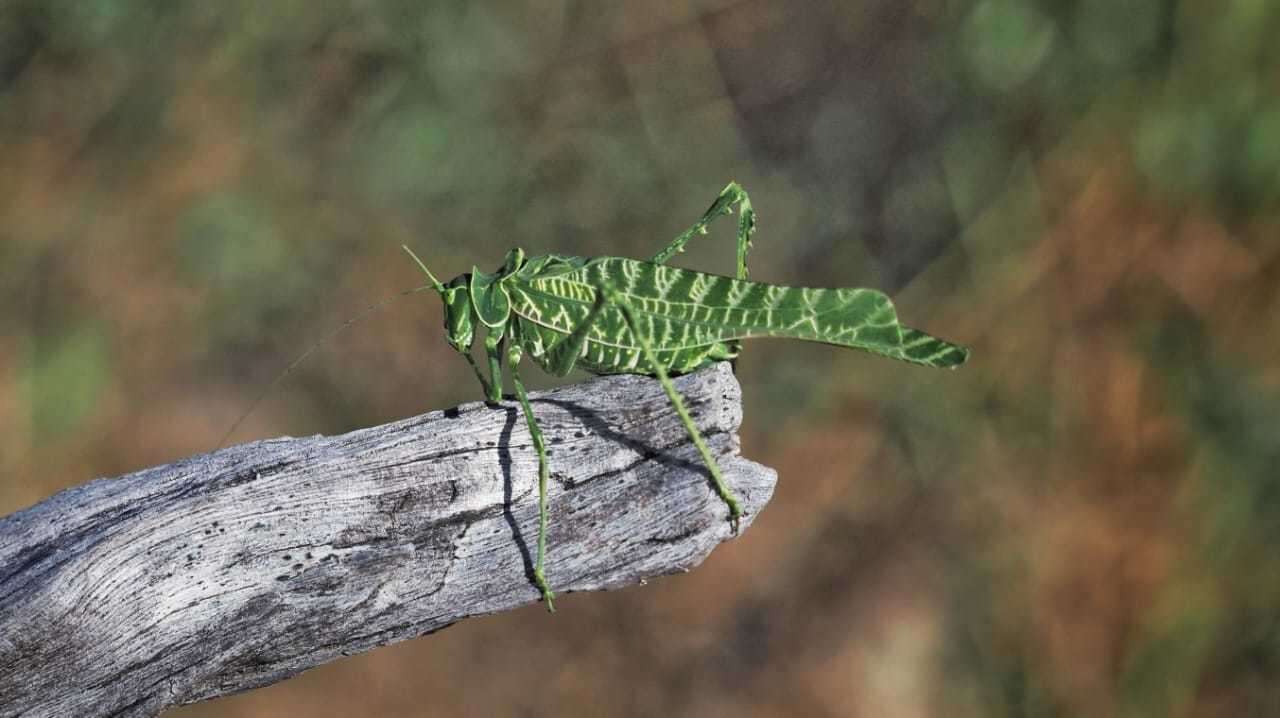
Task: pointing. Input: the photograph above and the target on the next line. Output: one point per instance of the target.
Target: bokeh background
(1082, 521)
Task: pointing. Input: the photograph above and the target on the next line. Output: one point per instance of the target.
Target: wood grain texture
(240, 568)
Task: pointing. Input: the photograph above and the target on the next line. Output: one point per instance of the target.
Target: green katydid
(613, 315)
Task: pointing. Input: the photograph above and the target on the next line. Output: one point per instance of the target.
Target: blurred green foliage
(63, 378)
(1080, 522)
(1007, 41)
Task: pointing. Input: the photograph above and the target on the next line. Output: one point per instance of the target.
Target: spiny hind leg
(608, 292)
(732, 194)
(514, 354)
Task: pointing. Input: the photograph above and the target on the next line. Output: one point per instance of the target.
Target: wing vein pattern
(692, 317)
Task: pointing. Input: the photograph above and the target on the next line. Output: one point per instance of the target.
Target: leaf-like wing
(684, 309)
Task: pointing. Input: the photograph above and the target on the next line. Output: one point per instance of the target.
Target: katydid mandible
(613, 315)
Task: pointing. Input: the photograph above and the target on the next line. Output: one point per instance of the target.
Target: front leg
(486, 383)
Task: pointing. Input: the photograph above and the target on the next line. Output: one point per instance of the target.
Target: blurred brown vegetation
(1082, 521)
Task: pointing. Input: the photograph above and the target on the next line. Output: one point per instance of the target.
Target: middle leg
(514, 353)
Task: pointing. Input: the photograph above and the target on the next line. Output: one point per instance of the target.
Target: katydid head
(459, 327)
(475, 295)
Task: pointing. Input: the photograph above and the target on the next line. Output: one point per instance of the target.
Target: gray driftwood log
(239, 568)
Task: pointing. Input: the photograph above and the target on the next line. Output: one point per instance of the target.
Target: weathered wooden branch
(240, 568)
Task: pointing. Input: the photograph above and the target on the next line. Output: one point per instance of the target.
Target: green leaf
(1179, 148)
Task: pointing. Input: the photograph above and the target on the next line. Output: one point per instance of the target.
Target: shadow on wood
(240, 568)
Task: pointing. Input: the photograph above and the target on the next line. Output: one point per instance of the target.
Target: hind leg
(732, 194)
(609, 293)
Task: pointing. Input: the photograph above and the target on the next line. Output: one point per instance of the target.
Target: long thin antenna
(435, 283)
(303, 357)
